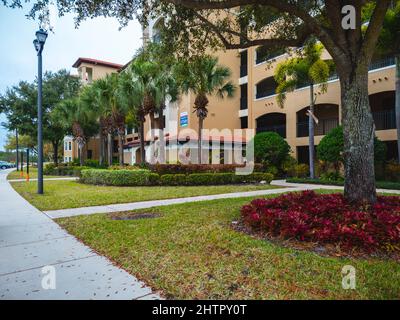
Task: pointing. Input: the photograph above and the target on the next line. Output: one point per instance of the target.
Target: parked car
(6, 165)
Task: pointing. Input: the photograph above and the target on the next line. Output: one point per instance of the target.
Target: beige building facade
(89, 70)
(254, 106)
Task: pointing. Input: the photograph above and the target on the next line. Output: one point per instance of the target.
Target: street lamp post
(39, 42)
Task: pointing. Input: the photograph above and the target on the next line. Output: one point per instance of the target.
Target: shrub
(48, 169)
(310, 217)
(392, 172)
(92, 163)
(331, 149)
(173, 179)
(162, 169)
(299, 170)
(117, 177)
(270, 148)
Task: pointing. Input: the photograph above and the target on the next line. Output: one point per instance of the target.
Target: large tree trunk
(200, 140)
(142, 149)
(359, 133)
(55, 151)
(311, 133)
(398, 105)
(110, 149)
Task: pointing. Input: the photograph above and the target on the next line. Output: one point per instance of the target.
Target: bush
(63, 170)
(392, 172)
(173, 179)
(330, 219)
(299, 171)
(331, 149)
(118, 177)
(162, 169)
(271, 149)
(92, 163)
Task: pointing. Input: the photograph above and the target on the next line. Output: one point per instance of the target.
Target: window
(243, 97)
(90, 154)
(66, 159)
(70, 159)
(244, 122)
(243, 64)
(65, 146)
(70, 146)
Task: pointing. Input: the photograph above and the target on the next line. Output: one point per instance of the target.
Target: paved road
(31, 241)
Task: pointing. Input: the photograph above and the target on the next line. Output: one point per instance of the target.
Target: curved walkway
(286, 187)
(36, 254)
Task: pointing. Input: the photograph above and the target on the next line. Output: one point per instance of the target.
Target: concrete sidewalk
(309, 186)
(29, 241)
(63, 213)
(46, 179)
(286, 187)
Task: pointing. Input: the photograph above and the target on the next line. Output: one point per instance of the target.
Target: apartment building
(88, 71)
(254, 105)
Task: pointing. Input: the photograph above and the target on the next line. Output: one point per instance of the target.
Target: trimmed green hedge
(379, 184)
(144, 177)
(118, 177)
(73, 171)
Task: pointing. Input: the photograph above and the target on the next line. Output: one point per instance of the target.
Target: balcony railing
(385, 120)
(386, 62)
(320, 129)
(243, 70)
(243, 103)
(279, 129)
(266, 93)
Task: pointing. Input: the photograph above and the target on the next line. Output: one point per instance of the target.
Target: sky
(98, 38)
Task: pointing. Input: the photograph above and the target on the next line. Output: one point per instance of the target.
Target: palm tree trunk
(121, 149)
(398, 105)
(142, 149)
(200, 140)
(80, 147)
(110, 149)
(311, 132)
(161, 138)
(101, 147)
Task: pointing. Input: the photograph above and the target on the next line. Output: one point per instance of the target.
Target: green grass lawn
(191, 252)
(72, 194)
(32, 174)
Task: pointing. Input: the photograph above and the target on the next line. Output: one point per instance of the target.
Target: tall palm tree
(141, 75)
(166, 91)
(203, 77)
(78, 120)
(309, 69)
(114, 112)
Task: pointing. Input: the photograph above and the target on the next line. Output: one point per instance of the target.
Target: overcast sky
(98, 38)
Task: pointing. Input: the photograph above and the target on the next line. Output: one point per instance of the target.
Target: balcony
(320, 129)
(385, 120)
(386, 62)
(279, 129)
